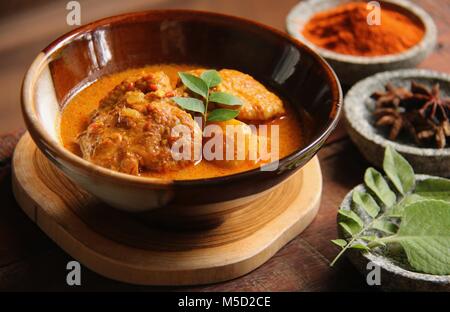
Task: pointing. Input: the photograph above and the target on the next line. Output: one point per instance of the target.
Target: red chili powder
(345, 30)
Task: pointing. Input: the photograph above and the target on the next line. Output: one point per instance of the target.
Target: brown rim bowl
(187, 37)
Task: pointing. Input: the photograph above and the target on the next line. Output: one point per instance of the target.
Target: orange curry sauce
(75, 118)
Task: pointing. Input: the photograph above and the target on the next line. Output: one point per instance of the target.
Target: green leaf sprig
(202, 86)
(401, 210)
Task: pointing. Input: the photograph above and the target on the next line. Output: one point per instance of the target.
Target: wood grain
(30, 261)
(120, 246)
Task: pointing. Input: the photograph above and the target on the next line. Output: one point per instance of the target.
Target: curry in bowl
(101, 109)
(125, 122)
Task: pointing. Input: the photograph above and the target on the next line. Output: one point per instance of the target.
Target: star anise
(422, 111)
(434, 106)
(438, 132)
(392, 97)
(398, 119)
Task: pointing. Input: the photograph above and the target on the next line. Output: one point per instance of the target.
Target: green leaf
(340, 242)
(194, 84)
(434, 189)
(365, 201)
(224, 98)
(397, 209)
(372, 241)
(370, 238)
(350, 215)
(398, 170)
(424, 234)
(351, 223)
(221, 114)
(211, 78)
(378, 185)
(384, 226)
(190, 104)
(360, 246)
(350, 229)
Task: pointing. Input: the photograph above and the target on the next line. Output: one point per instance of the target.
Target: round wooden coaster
(124, 247)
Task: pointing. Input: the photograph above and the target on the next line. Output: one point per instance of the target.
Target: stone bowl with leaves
(399, 222)
(430, 155)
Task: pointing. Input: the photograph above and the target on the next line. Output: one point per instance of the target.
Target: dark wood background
(31, 261)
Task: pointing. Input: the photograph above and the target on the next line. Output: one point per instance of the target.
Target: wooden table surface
(31, 261)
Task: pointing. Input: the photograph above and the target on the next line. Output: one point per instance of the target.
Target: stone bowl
(349, 68)
(395, 272)
(372, 141)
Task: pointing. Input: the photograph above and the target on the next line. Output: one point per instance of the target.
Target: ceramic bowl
(351, 69)
(190, 37)
(372, 141)
(395, 273)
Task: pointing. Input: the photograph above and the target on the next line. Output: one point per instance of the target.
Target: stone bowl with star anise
(408, 109)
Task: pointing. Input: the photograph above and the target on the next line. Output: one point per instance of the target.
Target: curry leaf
(434, 189)
(368, 238)
(339, 242)
(384, 226)
(397, 209)
(350, 215)
(224, 98)
(359, 246)
(424, 234)
(424, 212)
(398, 170)
(378, 185)
(372, 241)
(190, 104)
(211, 78)
(221, 114)
(350, 228)
(351, 222)
(365, 201)
(194, 84)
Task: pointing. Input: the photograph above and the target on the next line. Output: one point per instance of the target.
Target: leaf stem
(356, 237)
(206, 108)
(344, 249)
(389, 239)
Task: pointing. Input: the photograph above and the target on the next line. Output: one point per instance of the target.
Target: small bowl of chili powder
(361, 38)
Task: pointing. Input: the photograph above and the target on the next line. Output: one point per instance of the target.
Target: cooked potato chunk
(238, 138)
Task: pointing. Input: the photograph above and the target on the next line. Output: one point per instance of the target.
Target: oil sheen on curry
(125, 122)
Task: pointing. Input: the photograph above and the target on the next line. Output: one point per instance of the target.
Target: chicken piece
(155, 144)
(159, 85)
(154, 85)
(238, 139)
(104, 142)
(259, 104)
(134, 134)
